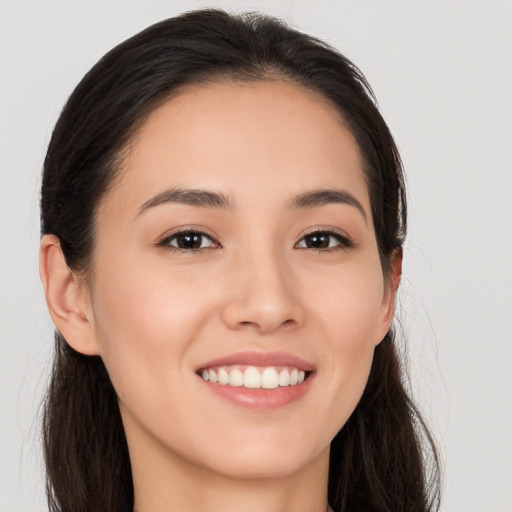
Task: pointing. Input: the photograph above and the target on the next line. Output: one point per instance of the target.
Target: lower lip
(261, 399)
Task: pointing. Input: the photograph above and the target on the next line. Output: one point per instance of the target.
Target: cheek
(148, 300)
(349, 309)
(349, 303)
(145, 322)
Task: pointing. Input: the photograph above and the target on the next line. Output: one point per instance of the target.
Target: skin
(155, 314)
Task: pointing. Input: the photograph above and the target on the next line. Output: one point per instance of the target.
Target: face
(238, 246)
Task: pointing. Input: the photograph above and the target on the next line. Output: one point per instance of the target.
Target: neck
(227, 495)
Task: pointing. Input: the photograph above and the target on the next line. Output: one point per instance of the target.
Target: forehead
(275, 139)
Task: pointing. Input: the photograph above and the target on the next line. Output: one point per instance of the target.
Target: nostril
(266, 325)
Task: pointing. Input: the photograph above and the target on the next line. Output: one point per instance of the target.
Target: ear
(67, 298)
(391, 284)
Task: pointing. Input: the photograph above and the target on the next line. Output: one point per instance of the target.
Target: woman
(223, 214)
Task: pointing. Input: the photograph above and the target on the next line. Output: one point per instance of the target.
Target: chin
(259, 468)
(266, 459)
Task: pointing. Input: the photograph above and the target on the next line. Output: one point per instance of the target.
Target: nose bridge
(265, 295)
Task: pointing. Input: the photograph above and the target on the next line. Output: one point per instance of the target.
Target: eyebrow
(209, 199)
(192, 197)
(323, 197)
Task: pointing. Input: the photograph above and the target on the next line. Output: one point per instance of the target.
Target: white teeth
(269, 379)
(223, 376)
(254, 377)
(284, 378)
(236, 378)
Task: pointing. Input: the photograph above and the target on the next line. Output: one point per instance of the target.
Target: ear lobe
(68, 302)
(392, 283)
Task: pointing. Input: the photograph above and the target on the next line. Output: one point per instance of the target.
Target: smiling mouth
(254, 377)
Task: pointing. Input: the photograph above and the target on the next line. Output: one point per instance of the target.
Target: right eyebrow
(323, 197)
(192, 197)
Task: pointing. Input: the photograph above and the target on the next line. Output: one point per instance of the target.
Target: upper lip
(255, 358)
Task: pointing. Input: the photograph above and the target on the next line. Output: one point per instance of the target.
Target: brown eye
(188, 241)
(318, 241)
(324, 240)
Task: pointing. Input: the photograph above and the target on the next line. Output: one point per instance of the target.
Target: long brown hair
(383, 459)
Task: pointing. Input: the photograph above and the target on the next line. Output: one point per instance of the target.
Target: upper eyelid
(165, 239)
(326, 231)
(180, 230)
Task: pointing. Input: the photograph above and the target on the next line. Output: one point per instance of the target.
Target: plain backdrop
(442, 72)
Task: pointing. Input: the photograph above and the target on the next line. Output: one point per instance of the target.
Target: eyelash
(344, 243)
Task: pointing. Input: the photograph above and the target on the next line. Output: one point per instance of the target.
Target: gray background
(442, 71)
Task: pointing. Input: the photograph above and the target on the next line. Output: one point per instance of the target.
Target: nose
(263, 296)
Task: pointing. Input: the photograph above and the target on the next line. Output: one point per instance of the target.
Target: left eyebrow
(327, 196)
(191, 197)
